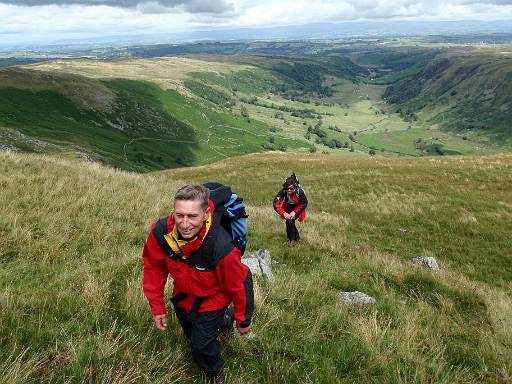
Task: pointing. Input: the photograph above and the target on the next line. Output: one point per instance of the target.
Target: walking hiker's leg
(205, 342)
(291, 230)
(297, 236)
(186, 325)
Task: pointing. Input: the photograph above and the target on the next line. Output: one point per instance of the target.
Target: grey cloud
(194, 6)
(207, 6)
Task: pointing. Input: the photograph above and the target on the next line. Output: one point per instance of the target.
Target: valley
(151, 113)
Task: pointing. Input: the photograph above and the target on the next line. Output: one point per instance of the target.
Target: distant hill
(96, 119)
(11, 61)
(460, 89)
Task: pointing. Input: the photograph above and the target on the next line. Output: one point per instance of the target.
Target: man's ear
(206, 213)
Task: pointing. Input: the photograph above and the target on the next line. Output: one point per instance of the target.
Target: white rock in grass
(260, 263)
(254, 265)
(265, 262)
(427, 261)
(356, 298)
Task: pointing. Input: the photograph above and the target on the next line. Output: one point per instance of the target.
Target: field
(72, 309)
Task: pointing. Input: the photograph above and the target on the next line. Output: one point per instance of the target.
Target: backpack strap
(192, 315)
(203, 257)
(217, 244)
(159, 230)
(179, 297)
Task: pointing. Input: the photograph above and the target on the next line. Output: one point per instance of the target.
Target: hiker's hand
(245, 330)
(160, 322)
(291, 215)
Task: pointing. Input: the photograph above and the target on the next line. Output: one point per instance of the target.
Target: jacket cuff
(158, 309)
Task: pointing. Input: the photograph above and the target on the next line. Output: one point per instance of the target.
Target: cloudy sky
(24, 21)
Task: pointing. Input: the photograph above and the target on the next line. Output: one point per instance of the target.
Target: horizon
(353, 29)
(46, 22)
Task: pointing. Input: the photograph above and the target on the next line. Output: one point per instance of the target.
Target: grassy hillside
(159, 113)
(54, 112)
(127, 123)
(72, 310)
(462, 89)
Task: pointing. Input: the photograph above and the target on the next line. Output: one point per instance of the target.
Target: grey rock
(260, 263)
(355, 298)
(8, 147)
(254, 265)
(427, 261)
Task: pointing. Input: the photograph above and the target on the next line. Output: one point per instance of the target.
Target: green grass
(216, 96)
(406, 141)
(72, 310)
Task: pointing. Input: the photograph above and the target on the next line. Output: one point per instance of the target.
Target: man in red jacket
(193, 248)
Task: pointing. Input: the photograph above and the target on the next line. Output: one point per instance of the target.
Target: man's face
(189, 217)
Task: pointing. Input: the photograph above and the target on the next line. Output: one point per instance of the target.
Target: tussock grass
(72, 309)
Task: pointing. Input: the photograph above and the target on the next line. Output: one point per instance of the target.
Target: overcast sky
(32, 20)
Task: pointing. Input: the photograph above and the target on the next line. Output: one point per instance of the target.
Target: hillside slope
(461, 90)
(158, 113)
(130, 124)
(96, 119)
(71, 306)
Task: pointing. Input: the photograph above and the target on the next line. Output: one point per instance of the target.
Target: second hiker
(290, 203)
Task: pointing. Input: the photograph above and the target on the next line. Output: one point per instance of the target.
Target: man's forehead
(188, 206)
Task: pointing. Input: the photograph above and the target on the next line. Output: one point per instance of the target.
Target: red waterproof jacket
(218, 278)
(295, 202)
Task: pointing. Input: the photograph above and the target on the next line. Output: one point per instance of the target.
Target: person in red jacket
(193, 248)
(290, 203)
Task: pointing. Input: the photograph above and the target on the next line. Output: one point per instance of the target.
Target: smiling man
(193, 248)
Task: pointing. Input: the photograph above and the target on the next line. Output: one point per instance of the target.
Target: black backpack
(233, 216)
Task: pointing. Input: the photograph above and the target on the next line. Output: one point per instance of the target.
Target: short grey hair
(195, 192)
